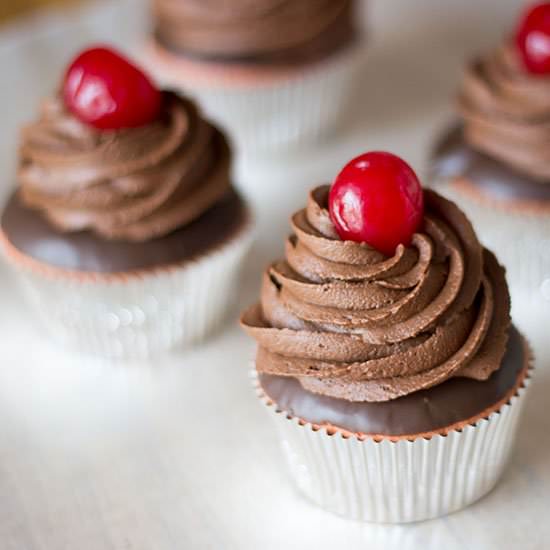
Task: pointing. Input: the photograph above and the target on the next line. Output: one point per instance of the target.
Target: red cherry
(377, 199)
(533, 39)
(105, 90)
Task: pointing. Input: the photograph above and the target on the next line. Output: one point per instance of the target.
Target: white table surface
(176, 453)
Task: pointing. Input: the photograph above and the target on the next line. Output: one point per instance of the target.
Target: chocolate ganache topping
(351, 323)
(256, 30)
(506, 112)
(131, 184)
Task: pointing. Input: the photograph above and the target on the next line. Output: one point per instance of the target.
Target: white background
(177, 453)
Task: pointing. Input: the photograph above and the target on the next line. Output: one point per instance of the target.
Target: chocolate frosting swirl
(133, 184)
(351, 323)
(245, 29)
(506, 112)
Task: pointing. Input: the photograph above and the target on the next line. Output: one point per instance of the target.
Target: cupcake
(494, 162)
(275, 74)
(124, 215)
(386, 355)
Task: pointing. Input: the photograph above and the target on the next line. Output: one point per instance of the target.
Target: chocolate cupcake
(391, 369)
(124, 216)
(494, 163)
(275, 74)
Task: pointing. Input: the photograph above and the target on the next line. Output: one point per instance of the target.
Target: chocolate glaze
(29, 232)
(453, 157)
(453, 401)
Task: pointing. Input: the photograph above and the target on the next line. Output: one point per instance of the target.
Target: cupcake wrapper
(135, 314)
(521, 241)
(402, 481)
(269, 114)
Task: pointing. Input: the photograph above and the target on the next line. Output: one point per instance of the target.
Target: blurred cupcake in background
(276, 74)
(124, 230)
(496, 162)
(386, 356)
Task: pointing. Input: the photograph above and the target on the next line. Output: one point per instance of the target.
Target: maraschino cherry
(377, 199)
(104, 90)
(533, 39)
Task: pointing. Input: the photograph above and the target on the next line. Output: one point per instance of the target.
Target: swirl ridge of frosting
(133, 184)
(351, 323)
(506, 112)
(245, 29)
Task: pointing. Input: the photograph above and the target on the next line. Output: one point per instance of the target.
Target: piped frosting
(506, 112)
(133, 184)
(351, 323)
(260, 30)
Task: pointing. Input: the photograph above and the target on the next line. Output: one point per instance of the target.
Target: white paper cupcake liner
(267, 113)
(521, 241)
(135, 314)
(399, 481)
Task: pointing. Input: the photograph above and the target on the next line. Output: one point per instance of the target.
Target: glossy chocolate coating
(453, 157)
(453, 401)
(29, 232)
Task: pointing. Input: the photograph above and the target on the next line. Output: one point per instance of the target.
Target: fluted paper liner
(136, 313)
(517, 232)
(400, 479)
(265, 109)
